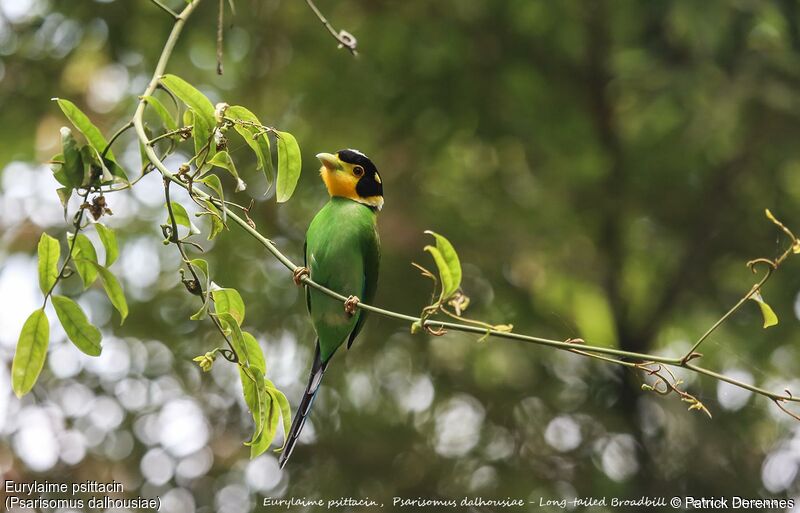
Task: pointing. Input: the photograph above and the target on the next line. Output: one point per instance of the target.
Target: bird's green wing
(342, 256)
(305, 264)
(372, 259)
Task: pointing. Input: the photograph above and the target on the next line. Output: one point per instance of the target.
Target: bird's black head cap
(370, 184)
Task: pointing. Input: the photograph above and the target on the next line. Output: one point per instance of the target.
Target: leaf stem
(181, 130)
(116, 135)
(220, 35)
(165, 9)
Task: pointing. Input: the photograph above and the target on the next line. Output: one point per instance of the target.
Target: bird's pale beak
(329, 161)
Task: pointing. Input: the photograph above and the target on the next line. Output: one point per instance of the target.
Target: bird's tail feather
(314, 381)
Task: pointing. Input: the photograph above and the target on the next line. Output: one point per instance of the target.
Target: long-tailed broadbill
(342, 253)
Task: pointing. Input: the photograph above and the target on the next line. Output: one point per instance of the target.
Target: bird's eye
(358, 170)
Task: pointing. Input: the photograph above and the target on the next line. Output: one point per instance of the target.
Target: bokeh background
(601, 167)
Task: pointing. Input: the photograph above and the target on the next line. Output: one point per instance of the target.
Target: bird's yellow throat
(343, 184)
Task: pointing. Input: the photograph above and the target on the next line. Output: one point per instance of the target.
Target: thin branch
(785, 410)
(741, 384)
(262, 129)
(220, 35)
(116, 135)
(344, 38)
(182, 131)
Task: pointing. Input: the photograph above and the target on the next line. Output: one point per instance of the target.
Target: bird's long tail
(314, 381)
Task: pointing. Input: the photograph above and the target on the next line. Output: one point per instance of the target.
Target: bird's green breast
(341, 246)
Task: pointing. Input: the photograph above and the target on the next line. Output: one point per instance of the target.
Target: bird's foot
(350, 305)
(298, 273)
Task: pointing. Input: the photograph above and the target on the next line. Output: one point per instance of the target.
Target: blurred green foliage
(602, 168)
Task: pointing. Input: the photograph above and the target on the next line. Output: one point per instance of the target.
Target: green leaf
(254, 137)
(110, 171)
(59, 173)
(231, 324)
(229, 301)
(270, 427)
(445, 276)
(203, 266)
(64, 194)
(109, 240)
(216, 220)
(49, 251)
(193, 98)
(283, 403)
(169, 122)
(113, 290)
(85, 336)
(93, 135)
(254, 352)
(265, 409)
(289, 165)
(85, 250)
(254, 396)
(116, 171)
(213, 182)
(202, 133)
(448, 264)
(223, 160)
(770, 319)
(90, 163)
(202, 313)
(95, 169)
(31, 352)
(182, 217)
(236, 337)
(71, 155)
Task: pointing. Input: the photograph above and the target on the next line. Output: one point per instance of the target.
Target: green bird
(342, 253)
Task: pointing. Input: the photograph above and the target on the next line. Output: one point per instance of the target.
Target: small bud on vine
(219, 112)
(206, 361)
